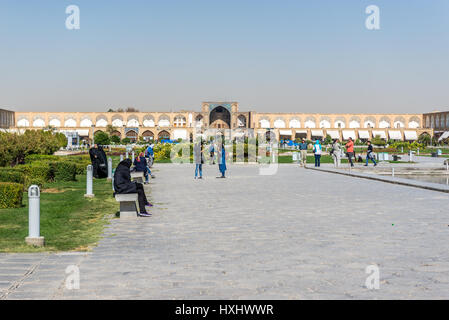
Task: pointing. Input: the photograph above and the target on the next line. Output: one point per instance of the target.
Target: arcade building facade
(153, 126)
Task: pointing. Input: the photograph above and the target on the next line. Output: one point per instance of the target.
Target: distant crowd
(336, 151)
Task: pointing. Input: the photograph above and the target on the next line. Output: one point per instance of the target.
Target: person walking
(350, 150)
(149, 154)
(199, 159)
(222, 160)
(336, 153)
(317, 150)
(212, 153)
(370, 154)
(303, 152)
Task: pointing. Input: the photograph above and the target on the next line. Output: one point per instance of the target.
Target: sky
(270, 56)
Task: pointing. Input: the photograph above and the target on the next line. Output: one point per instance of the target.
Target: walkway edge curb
(382, 180)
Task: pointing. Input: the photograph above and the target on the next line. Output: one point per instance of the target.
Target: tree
(378, 141)
(110, 129)
(131, 109)
(424, 139)
(62, 139)
(15, 147)
(115, 139)
(101, 138)
(328, 139)
(126, 140)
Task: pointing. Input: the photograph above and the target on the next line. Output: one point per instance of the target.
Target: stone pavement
(298, 234)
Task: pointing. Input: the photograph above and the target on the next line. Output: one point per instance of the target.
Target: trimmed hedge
(64, 171)
(11, 195)
(12, 175)
(81, 167)
(38, 170)
(39, 157)
(80, 161)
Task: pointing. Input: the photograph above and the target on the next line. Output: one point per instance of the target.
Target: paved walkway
(299, 234)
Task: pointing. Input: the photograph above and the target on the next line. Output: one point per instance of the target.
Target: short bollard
(109, 168)
(89, 183)
(411, 156)
(34, 213)
(392, 172)
(121, 157)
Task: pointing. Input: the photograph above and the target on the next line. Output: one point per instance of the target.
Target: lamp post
(93, 137)
(34, 213)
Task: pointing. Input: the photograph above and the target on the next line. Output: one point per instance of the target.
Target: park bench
(137, 176)
(128, 207)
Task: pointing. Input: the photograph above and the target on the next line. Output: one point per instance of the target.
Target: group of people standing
(336, 152)
(198, 154)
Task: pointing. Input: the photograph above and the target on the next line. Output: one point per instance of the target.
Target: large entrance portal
(220, 118)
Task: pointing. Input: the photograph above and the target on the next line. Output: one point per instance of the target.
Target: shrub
(11, 195)
(81, 167)
(64, 170)
(162, 151)
(29, 181)
(38, 170)
(378, 141)
(12, 175)
(39, 157)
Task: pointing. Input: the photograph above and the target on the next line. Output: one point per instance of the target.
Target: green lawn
(69, 221)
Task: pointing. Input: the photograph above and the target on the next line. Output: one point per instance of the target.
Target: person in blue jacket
(317, 150)
(140, 164)
(222, 161)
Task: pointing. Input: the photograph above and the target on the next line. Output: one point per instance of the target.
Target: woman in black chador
(99, 162)
(103, 163)
(123, 185)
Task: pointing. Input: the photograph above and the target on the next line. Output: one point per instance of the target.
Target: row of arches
(101, 121)
(221, 118)
(340, 122)
(147, 134)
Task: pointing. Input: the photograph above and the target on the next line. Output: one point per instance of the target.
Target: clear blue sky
(271, 56)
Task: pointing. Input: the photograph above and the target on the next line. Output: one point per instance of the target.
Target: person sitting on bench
(140, 165)
(124, 185)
